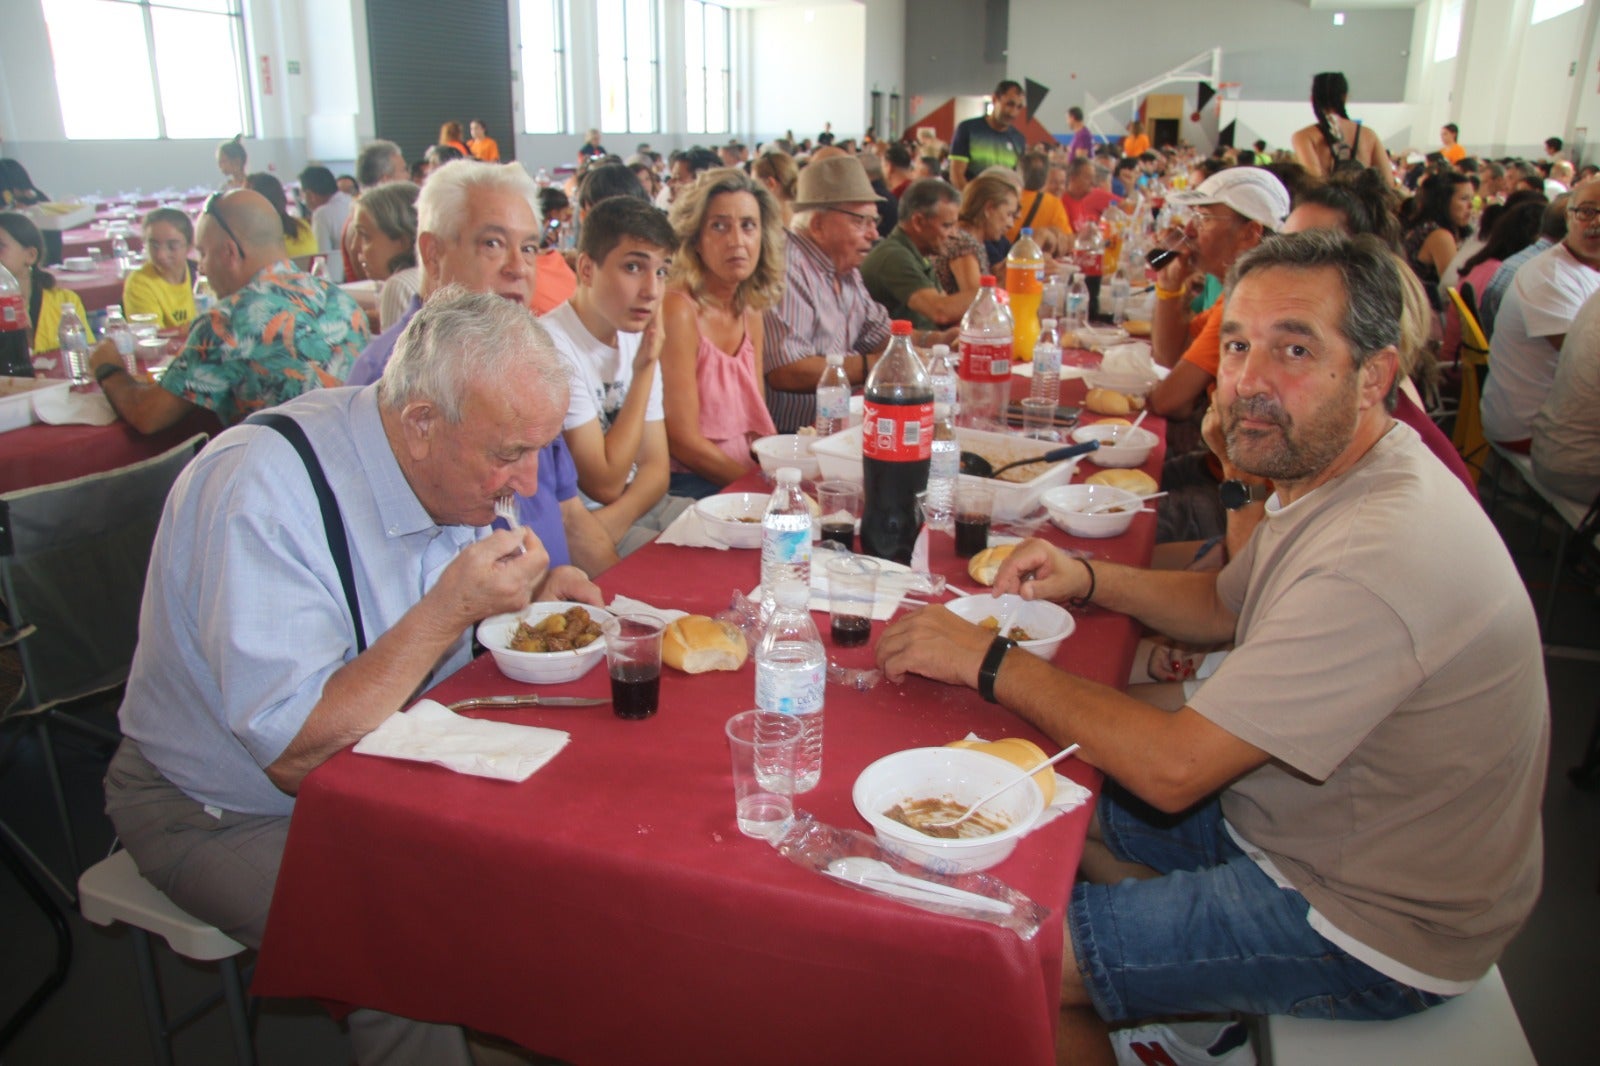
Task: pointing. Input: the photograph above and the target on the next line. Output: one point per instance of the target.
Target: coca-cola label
(985, 360)
(897, 433)
(13, 312)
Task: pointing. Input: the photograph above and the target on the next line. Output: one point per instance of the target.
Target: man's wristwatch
(1236, 494)
(105, 370)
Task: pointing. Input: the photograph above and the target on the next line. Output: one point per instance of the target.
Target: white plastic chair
(111, 891)
(1477, 1028)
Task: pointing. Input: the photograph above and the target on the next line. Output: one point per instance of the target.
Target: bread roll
(1022, 754)
(696, 644)
(1136, 481)
(1137, 327)
(1113, 422)
(1107, 402)
(986, 564)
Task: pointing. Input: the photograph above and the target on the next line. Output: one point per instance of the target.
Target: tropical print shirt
(283, 334)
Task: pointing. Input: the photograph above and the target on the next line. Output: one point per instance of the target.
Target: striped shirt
(821, 311)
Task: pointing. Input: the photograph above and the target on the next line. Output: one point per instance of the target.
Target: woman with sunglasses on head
(164, 285)
(22, 251)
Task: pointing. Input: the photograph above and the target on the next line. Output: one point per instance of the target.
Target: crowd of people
(1330, 846)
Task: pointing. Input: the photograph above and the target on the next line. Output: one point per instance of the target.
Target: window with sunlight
(544, 65)
(1543, 10)
(707, 77)
(628, 56)
(144, 69)
(1448, 40)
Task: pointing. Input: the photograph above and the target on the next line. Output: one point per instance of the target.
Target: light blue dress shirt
(244, 618)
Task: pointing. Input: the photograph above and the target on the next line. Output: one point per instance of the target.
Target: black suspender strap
(332, 517)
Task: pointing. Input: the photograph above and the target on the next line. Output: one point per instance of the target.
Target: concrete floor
(1552, 969)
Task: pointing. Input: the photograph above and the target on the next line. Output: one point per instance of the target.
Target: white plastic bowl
(722, 514)
(1049, 624)
(1131, 448)
(1099, 338)
(540, 668)
(961, 775)
(788, 449)
(78, 264)
(1068, 503)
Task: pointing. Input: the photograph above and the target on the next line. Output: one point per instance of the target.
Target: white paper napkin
(627, 605)
(428, 732)
(689, 531)
(892, 587)
(64, 407)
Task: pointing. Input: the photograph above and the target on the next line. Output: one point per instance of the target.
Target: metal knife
(530, 700)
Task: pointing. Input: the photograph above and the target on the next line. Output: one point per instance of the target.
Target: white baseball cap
(1253, 192)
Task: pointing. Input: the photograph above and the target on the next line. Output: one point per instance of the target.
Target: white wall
(808, 67)
(886, 54)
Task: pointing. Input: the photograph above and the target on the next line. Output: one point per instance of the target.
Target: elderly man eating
(254, 667)
(1343, 820)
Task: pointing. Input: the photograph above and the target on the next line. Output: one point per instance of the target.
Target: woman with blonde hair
(728, 269)
(779, 173)
(452, 136)
(988, 208)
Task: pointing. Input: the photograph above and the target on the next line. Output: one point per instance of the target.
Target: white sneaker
(1210, 1043)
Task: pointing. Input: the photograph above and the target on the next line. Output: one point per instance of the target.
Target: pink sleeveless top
(732, 410)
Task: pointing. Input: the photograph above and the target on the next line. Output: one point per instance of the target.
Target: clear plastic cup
(763, 745)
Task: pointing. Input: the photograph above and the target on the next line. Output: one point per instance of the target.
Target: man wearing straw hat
(825, 306)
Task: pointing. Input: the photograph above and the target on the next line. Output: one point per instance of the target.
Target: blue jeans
(1214, 934)
(693, 486)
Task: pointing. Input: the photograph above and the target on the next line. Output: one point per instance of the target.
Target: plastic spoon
(977, 466)
(875, 873)
(1112, 505)
(1023, 776)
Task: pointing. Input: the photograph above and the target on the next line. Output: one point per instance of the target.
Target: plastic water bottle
(1119, 294)
(985, 372)
(542, 178)
(1025, 286)
(16, 330)
(1047, 364)
(74, 344)
(792, 676)
(833, 397)
(785, 538)
(120, 333)
(1077, 303)
(204, 298)
(120, 252)
(943, 375)
(944, 467)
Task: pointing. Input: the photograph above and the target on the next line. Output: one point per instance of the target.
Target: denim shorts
(1214, 934)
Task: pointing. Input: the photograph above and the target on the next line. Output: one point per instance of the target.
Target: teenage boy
(609, 334)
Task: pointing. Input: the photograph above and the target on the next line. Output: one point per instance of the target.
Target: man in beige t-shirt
(1343, 821)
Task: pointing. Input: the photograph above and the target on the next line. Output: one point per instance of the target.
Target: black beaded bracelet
(105, 370)
(991, 666)
(1088, 597)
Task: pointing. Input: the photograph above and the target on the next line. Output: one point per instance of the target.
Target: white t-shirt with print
(601, 374)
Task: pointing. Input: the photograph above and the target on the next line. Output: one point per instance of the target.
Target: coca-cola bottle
(985, 369)
(896, 445)
(16, 351)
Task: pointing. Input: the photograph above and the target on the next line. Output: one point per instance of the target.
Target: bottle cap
(1027, 231)
(835, 358)
(1077, 275)
(900, 327)
(791, 594)
(1047, 323)
(788, 475)
(987, 281)
(941, 349)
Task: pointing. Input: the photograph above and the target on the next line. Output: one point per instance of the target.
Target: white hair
(459, 337)
(442, 205)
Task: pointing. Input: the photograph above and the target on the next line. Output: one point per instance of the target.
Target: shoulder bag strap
(1038, 198)
(332, 517)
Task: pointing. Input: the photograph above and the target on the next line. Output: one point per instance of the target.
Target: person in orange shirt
(482, 146)
(1038, 208)
(1451, 150)
(1135, 143)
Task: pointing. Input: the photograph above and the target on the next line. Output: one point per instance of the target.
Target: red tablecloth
(607, 910)
(79, 241)
(98, 288)
(41, 454)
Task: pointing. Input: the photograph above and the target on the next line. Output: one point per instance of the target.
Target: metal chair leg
(63, 933)
(74, 868)
(155, 1014)
(244, 1050)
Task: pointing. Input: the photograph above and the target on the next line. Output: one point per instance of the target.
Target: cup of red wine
(852, 590)
(633, 659)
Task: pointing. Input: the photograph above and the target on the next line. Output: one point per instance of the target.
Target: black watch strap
(105, 370)
(991, 666)
(1236, 494)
